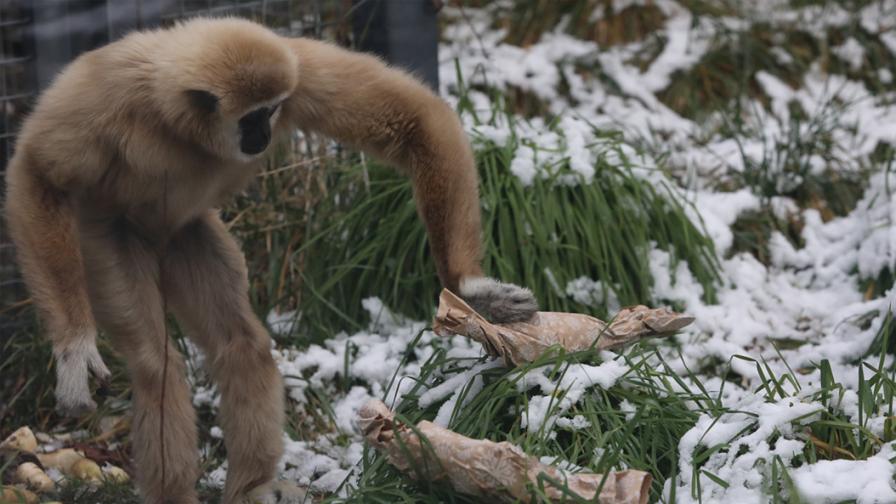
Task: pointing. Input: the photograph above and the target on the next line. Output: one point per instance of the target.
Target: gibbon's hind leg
(206, 284)
(123, 284)
(43, 228)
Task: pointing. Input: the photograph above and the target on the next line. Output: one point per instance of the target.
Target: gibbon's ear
(203, 100)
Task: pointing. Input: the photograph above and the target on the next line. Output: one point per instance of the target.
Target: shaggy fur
(110, 203)
(498, 300)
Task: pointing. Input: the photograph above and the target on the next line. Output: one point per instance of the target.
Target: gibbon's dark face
(255, 130)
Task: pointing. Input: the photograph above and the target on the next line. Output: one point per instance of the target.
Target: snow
(760, 420)
(577, 422)
(852, 52)
(544, 411)
(463, 385)
(718, 211)
(593, 293)
(281, 323)
(808, 292)
(685, 47)
(865, 481)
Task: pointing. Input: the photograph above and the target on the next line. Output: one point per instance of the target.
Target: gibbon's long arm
(358, 100)
(42, 224)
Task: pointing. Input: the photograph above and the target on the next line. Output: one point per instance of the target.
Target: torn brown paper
(522, 342)
(483, 468)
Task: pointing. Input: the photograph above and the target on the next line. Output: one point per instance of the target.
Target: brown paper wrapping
(522, 342)
(483, 468)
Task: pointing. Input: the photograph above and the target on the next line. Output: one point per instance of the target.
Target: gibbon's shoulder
(327, 71)
(341, 82)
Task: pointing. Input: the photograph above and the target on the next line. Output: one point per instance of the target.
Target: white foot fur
(74, 364)
(276, 492)
(498, 302)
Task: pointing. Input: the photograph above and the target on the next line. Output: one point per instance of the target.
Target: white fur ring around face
(73, 367)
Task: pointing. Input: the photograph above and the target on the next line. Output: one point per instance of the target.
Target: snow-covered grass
(732, 159)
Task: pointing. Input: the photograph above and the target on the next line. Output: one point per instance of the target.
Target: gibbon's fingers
(207, 287)
(73, 367)
(498, 302)
(358, 100)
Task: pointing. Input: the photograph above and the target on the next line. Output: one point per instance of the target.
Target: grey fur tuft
(498, 302)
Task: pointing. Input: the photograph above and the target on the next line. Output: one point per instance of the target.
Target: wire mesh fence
(17, 88)
(38, 37)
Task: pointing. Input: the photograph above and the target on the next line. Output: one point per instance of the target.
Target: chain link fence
(38, 37)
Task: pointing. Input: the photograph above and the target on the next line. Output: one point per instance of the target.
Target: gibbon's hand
(73, 368)
(498, 302)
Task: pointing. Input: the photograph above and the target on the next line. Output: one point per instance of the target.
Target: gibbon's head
(224, 82)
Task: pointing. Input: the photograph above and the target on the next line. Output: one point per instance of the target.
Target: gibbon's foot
(275, 492)
(498, 302)
(73, 367)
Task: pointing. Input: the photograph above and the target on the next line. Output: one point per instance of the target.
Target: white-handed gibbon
(111, 198)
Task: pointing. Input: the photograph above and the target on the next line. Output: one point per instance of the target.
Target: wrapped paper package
(521, 342)
(483, 468)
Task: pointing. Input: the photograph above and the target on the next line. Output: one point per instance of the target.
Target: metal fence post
(404, 32)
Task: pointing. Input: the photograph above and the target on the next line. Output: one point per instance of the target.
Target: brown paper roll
(483, 468)
(522, 342)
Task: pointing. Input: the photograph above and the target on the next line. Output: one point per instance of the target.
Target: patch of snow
(590, 292)
(865, 481)
(281, 324)
(852, 52)
(544, 410)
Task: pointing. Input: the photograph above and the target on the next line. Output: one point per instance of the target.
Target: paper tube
(521, 342)
(483, 468)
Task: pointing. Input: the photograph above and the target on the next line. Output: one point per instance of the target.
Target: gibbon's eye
(255, 131)
(203, 100)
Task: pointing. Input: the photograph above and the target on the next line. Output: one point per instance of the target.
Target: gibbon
(111, 198)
